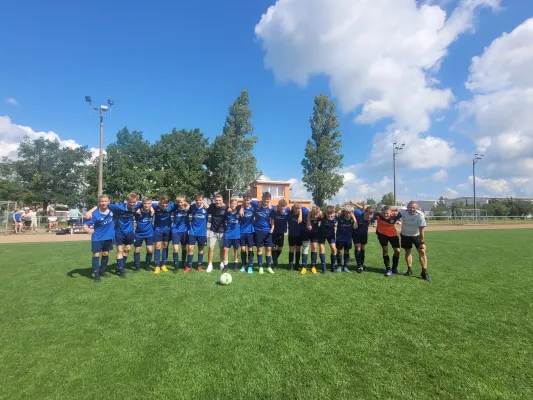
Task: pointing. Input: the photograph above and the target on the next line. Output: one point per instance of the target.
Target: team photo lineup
(238, 228)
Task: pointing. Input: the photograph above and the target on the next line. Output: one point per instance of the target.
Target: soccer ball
(225, 279)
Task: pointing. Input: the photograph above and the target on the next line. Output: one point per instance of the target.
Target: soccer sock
(120, 264)
(323, 259)
(269, 261)
(183, 257)
(137, 259)
(189, 260)
(332, 259)
(346, 259)
(148, 259)
(250, 258)
(358, 257)
(291, 257)
(297, 258)
(96, 266)
(157, 257)
(176, 255)
(103, 266)
(395, 260)
(200, 259)
(164, 256)
(235, 264)
(243, 258)
(260, 260)
(125, 257)
(278, 253)
(362, 257)
(386, 261)
(275, 255)
(339, 259)
(313, 258)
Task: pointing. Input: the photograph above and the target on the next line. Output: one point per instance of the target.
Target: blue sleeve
(254, 203)
(358, 212)
(115, 207)
(89, 222)
(137, 205)
(171, 206)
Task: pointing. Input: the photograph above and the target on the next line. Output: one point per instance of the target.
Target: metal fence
(42, 223)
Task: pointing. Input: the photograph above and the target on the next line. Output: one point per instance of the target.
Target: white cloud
(12, 101)
(449, 193)
(11, 135)
(264, 178)
(500, 111)
(440, 176)
(487, 187)
(379, 56)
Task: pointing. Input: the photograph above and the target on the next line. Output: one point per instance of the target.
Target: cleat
(339, 269)
(235, 269)
(123, 275)
(388, 272)
(409, 271)
(243, 269)
(164, 268)
(324, 270)
(148, 268)
(225, 269)
(261, 270)
(395, 271)
(97, 279)
(345, 269)
(425, 276)
(157, 270)
(209, 268)
(291, 267)
(222, 266)
(105, 275)
(332, 269)
(200, 269)
(270, 270)
(187, 270)
(303, 271)
(250, 270)
(176, 270)
(360, 269)
(137, 269)
(313, 270)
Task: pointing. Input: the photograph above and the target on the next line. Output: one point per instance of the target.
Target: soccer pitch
(466, 334)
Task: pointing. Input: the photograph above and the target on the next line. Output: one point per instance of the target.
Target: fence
(63, 221)
(484, 220)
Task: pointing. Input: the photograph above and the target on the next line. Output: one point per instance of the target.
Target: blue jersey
(181, 220)
(344, 229)
(143, 228)
(124, 217)
(295, 228)
(362, 223)
(199, 221)
(280, 220)
(327, 226)
(17, 217)
(162, 220)
(247, 221)
(104, 227)
(261, 216)
(233, 230)
(315, 223)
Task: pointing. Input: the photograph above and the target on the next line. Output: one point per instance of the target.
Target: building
(278, 189)
(480, 201)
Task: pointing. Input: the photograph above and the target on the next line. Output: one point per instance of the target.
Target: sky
(447, 77)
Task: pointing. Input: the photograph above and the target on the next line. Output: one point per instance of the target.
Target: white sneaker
(209, 268)
(221, 266)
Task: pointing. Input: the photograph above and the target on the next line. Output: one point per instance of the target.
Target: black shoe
(332, 268)
(388, 272)
(137, 269)
(176, 270)
(148, 268)
(274, 264)
(409, 271)
(97, 279)
(291, 267)
(395, 271)
(360, 269)
(105, 275)
(225, 269)
(235, 269)
(323, 270)
(364, 267)
(123, 275)
(425, 276)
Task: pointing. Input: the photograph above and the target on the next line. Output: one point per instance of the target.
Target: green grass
(466, 334)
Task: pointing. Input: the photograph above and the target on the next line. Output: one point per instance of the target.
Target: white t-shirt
(411, 223)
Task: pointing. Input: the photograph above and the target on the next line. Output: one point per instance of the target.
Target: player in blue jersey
(246, 225)
(312, 232)
(144, 232)
(180, 231)
(162, 231)
(232, 236)
(263, 231)
(279, 220)
(197, 232)
(217, 212)
(346, 223)
(101, 227)
(297, 215)
(327, 233)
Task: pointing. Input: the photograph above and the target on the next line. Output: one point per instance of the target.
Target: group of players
(242, 227)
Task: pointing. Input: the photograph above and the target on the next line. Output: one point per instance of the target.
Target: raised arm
(89, 214)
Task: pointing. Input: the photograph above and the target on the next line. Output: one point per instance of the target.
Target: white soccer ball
(225, 279)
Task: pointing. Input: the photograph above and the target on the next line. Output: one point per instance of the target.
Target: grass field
(467, 334)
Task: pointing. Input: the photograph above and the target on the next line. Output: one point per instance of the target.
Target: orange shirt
(386, 226)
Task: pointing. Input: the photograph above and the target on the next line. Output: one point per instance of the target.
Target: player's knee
(105, 253)
(396, 252)
(96, 254)
(137, 250)
(422, 252)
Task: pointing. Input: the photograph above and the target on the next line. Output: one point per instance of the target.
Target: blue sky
(180, 64)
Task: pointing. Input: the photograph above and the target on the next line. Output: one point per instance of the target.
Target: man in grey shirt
(412, 233)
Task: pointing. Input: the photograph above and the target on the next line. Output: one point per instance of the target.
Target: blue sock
(157, 257)
(313, 258)
(120, 264)
(346, 259)
(125, 259)
(148, 259)
(323, 260)
(200, 259)
(250, 258)
(304, 260)
(164, 256)
(189, 260)
(176, 259)
(103, 265)
(137, 259)
(332, 259)
(183, 257)
(96, 265)
(260, 260)
(269, 261)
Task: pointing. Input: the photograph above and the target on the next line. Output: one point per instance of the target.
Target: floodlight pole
(475, 160)
(395, 150)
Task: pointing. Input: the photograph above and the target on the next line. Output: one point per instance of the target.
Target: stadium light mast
(477, 158)
(101, 112)
(396, 148)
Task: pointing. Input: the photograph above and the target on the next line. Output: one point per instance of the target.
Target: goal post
(469, 216)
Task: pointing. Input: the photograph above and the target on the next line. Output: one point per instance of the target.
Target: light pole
(396, 148)
(101, 111)
(475, 160)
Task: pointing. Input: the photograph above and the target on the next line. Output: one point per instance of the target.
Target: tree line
(509, 207)
(181, 161)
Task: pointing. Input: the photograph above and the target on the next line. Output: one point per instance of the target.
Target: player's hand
(271, 230)
(309, 227)
(300, 220)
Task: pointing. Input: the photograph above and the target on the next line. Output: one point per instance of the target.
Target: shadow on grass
(81, 272)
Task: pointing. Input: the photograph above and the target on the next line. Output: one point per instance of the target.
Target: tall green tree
(387, 199)
(48, 172)
(518, 207)
(231, 163)
(178, 160)
(323, 158)
(371, 202)
(440, 209)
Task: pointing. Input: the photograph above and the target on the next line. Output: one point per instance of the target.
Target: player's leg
(236, 247)
(244, 259)
(258, 239)
(190, 252)
(250, 244)
(305, 251)
(164, 251)
(176, 237)
(278, 240)
(96, 267)
(107, 246)
(211, 237)
(422, 257)
(137, 245)
(119, 240)
(223, 261)
(333, 254)
(292, 249)
(347, 247)
(202, 242)
(314, 247)
(149, 253)
(269, 243)
(395, 243)
(322, 252)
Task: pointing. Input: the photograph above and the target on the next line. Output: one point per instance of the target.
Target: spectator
(52, 221)
(33, 217)
(17, 221)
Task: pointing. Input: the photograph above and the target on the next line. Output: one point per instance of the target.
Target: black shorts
(295, 241)
(409, 241)
(360, 238)
(278, 239)
(346, 245)
(313, 237)
(384, 240)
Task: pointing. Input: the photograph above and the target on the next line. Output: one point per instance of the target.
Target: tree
(371, 202)
(178, 160)
(323, 158)
(519, 207)
(387, 199)
(230, 161)
(496, 207)
(440, 209)
(49, 172)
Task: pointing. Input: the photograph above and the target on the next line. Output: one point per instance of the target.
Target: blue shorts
(235, 243)
(345, 244)
(312, 237)
(263, 239)
(330, 239)
(180, 238)
(97, 246)
(139, 241)
(121, 238)
(162, 236)
(201, 240)
(247, 239)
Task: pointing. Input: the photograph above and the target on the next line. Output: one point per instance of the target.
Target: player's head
(132, 199)
(282, 204)
(180, 200)
(386, 211)
(199, 200)
(103, 201)
(219, 200)
(233, 204)
(247, 200)
(163, 201)
(315, 211)
(330, 212)
(147, 203)
(266, 198)
(369, 213)
(412, 206)
(296, 207)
